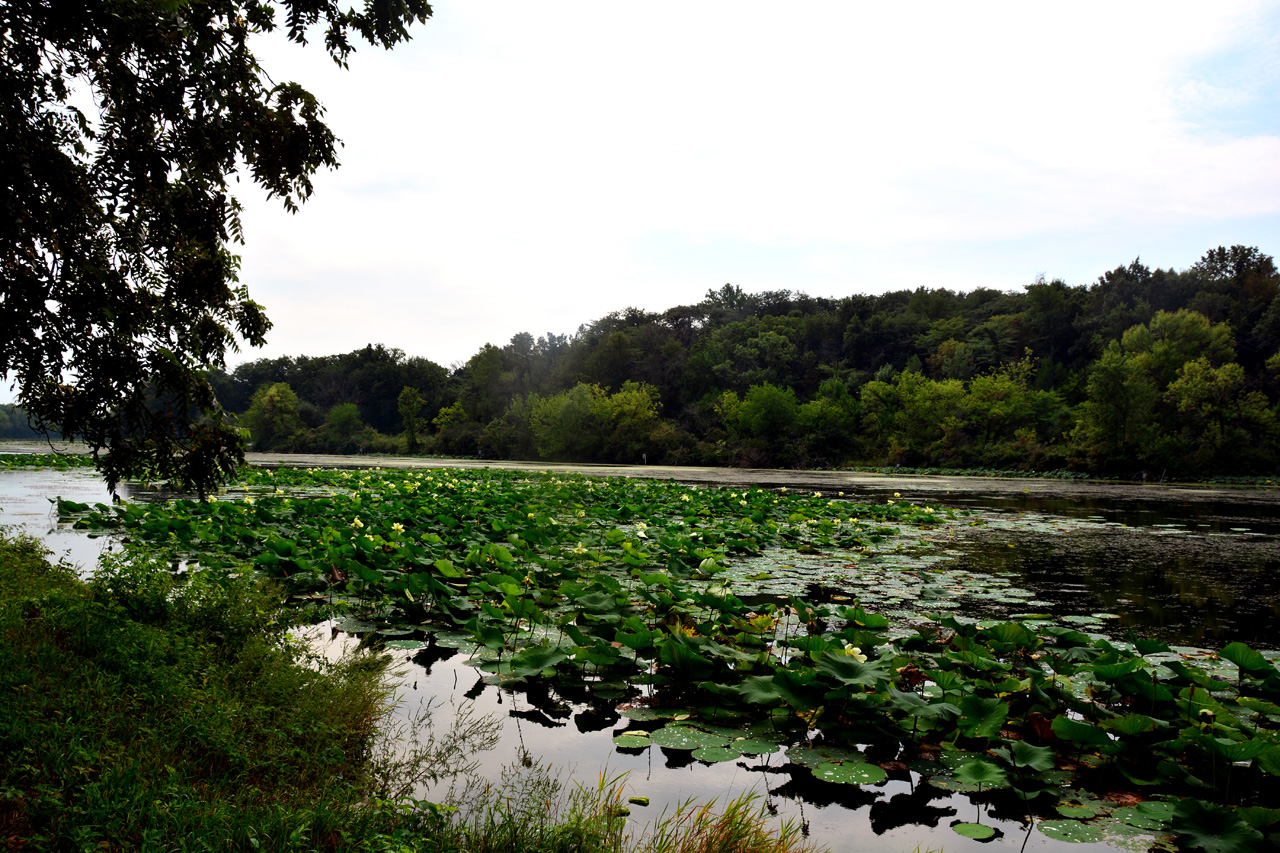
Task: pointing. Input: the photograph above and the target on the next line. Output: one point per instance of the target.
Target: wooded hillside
(1143, 370)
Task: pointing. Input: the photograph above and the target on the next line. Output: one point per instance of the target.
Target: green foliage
(768, 412)
(566, 578)
(410, 404)
(1213, 829)
(588, 423)
(273, 419)
(1146, 371)
(342, 427)
(120, 288)
(13, 423)
(193, 693)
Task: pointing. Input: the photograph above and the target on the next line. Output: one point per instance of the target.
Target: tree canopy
(1141, 371)
(123, 124)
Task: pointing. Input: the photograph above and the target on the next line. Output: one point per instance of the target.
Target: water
(1196, 568)
(28, 505)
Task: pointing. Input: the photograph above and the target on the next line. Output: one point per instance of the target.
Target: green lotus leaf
(1082, 733)
(1135, 817)
(982, 717)
(851, 773)
(952, 760)
(849, 670)
(629, 741)
(753, 746)
(685, 737)
(715, 754)
(357, 626)
(973, 830)
(407, 645)
(1246, 658)
(813, 756)
(1213, 828)
(532, 660)
(1023, 755)
(1083, 809)
(1070, 830)
(982, 773)
(644, 714)
(1132, 725)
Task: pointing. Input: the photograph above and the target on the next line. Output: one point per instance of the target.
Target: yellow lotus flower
(357, 523)
(398, 527)
(854, 652)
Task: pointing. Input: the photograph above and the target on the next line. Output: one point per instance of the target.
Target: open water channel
(1196, 567)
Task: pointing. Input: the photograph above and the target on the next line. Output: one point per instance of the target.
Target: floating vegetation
(727, 623)
(45, 460)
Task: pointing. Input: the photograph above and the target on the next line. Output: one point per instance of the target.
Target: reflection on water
(1192, 590)
(27, 504)
(565, 724)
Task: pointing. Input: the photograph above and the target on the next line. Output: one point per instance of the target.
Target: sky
(530, 167)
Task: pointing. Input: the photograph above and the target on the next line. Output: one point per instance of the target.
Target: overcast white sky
(530, 167)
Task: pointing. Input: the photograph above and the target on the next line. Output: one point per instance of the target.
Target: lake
(1194, 566)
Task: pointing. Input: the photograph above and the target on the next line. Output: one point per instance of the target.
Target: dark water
(1195, 572)
(1200, 572)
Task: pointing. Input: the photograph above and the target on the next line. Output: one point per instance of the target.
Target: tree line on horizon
(1142, 370)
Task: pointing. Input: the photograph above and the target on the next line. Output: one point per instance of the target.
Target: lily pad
(1135, 817)
(714, 754)
(953, 760)
(813, 756)
(973, 830)
(408, 645)
(753, 746)
(643, 714)
(852, 773)
(357, 626)
(1070, 830)
(629, 741)
(454, 640)
(1083, 809)
(685, 737)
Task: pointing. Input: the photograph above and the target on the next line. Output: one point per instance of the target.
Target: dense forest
(1142, 371)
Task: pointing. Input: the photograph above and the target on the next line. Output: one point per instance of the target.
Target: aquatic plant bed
(731, 623)
(45, 460)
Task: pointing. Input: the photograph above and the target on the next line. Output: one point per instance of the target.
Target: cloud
(532, 167)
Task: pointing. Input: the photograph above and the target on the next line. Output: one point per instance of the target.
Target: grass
(147, 711)
(137, 713)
